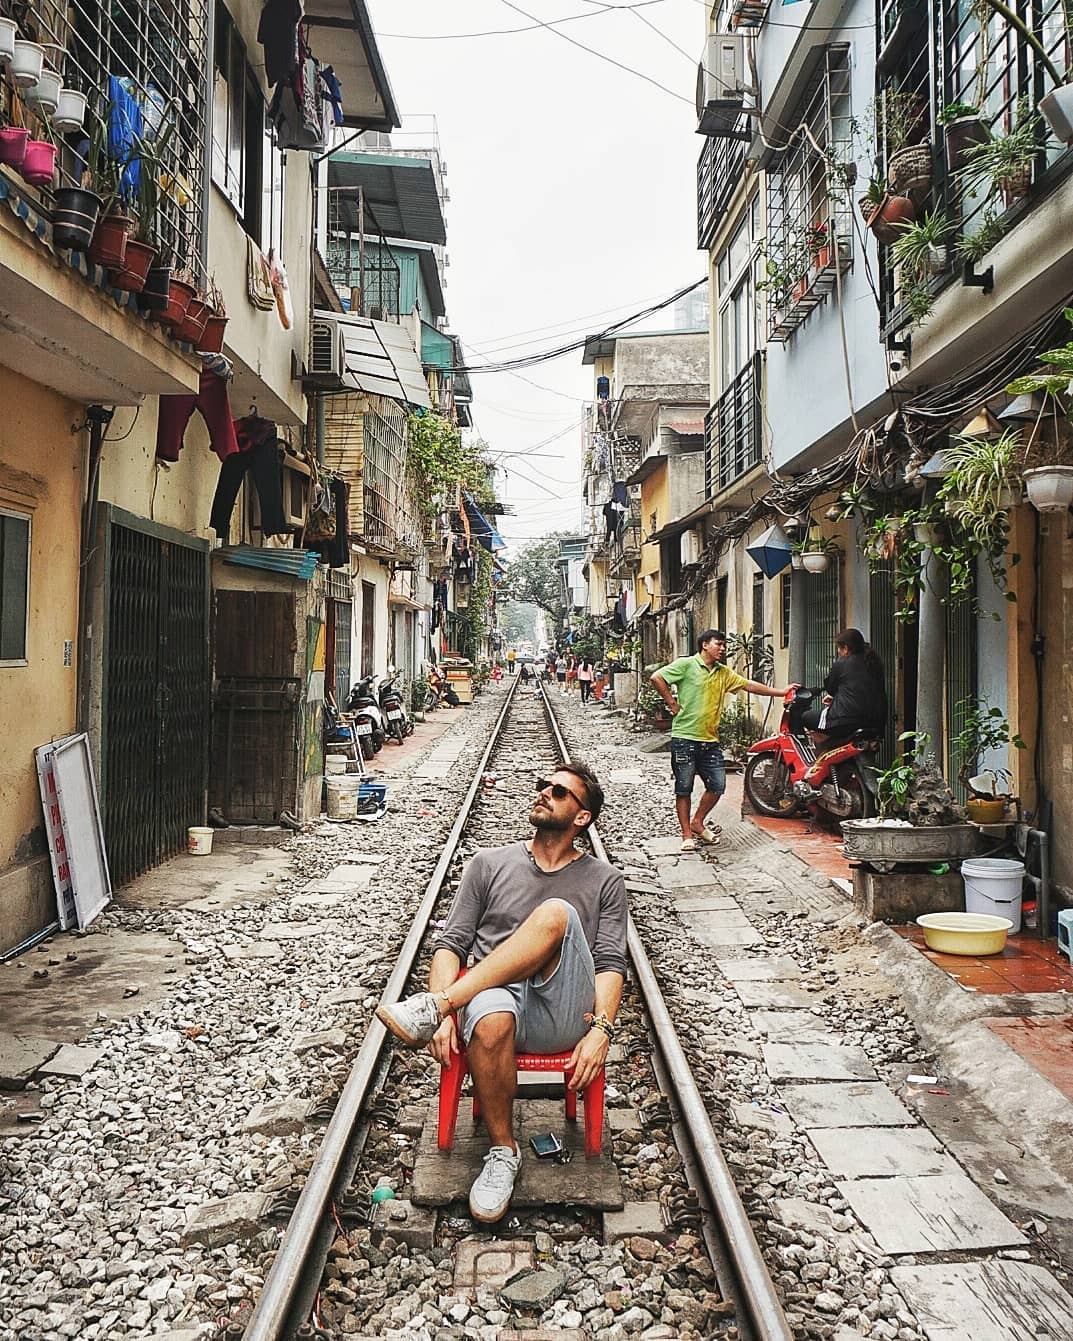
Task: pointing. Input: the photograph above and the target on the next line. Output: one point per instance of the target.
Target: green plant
(919, 301)
(150, 156)
(913, 788)
(1001, 164)
(439, 463)
(902, 109)
(893, 784)
(650, 703)
(738, 729)
(954, 111)
(752, 654)
(975, 246)
(920, 248)
(979, 471)
(101, 172)
(418, 693)
(983, 729)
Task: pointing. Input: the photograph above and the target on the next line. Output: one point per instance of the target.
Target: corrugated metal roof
(299, 563)
(401, 199)
(380, 358)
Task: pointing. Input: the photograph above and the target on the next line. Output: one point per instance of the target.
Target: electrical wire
(527, 28)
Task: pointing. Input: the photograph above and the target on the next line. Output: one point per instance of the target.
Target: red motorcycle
(785, 773)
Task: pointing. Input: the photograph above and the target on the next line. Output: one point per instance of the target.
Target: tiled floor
(821, 848)
(1027, 964)
(1047, 1043)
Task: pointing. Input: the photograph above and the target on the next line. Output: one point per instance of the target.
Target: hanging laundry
(259, 455)
(333, 93)
(297, 107)
(212, 404)
(278, 34)
(464, 560)
(335, 550)
(611, 516)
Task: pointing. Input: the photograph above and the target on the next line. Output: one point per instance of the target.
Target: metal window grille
(719, 171)
(822, 621)
(14, 584)
(360, 262)
(732, 430)
(158, 54)
(809, 229)
(951, 57)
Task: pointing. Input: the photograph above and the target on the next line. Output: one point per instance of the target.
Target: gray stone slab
(776, 968)
(762, 1118)
(686, 873)
(433, 768)
(262, 950)
(880, 1152)
(726, 936)
(714, 919)
(790, 1026)
(348, 996)
(629, 775)
(440, 1177)
(279, 1117)
(293, 931)
(346, 876)
(704, 903)
(662, 847)
(21, 1055)
(638, 1217)
(483, 1265)
(774, 995)
(986, 1301)
(863, 1103)
(333, 1039)
(405, 1222)
(816, 1061)
(219, 1222)
(329, 898)
(72, 1060)
(938, 1213)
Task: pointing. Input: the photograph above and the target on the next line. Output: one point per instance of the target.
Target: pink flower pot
(39, 164)
(13, 146)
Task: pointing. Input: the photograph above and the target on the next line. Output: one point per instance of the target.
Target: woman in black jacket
(855, 693)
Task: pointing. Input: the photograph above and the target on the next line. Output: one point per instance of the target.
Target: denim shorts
(549, 1013)
(690, 757)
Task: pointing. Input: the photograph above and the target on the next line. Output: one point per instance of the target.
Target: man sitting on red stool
(546, 926)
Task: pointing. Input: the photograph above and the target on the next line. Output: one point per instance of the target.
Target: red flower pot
(823, 257)
(109, 245)
(39, 163)
(13, 146)
(180, 296)
(192, 327)
(137, 261)
(212, 341)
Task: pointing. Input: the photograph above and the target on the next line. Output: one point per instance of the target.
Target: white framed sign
(73, 826)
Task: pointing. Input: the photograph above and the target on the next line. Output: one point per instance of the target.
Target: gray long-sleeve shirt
(501, 886)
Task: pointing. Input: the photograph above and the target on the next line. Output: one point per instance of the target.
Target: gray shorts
(549, 1014)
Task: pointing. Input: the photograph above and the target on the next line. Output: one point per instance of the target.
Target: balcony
(732, 438)
(719, 170)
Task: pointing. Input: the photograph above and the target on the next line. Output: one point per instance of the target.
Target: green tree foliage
(517, 623)
(533, 578)
(438, 461)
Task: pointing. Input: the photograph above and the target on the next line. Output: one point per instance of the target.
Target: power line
(528, 28)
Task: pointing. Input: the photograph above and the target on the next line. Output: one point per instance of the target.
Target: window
(247, 165)
(14, 586)
(737, 299)
(786, 587)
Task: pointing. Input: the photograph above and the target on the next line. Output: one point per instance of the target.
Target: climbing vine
(438, 460)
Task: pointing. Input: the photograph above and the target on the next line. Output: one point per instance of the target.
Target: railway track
(741, 1298)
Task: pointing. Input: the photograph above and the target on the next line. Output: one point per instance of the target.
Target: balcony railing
(732, 438)
(139, 65)
(719, 170)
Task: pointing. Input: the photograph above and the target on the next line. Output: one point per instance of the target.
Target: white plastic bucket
(198, 841)
(343, 796)
(334, 764)
(993, 886)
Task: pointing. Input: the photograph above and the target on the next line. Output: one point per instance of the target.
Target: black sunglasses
(559, 792)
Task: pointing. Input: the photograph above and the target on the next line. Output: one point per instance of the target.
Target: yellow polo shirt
(700, 693)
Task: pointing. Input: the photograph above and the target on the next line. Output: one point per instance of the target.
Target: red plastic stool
(451, 1078)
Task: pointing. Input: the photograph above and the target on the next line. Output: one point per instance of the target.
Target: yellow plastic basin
(964, 933)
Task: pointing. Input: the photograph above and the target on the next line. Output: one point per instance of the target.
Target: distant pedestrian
(511, 657)
(571, 673)
(703, 683)
(584, 678)
(524, 674)
(560, 673)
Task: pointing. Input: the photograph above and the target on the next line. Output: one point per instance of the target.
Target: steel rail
(757, 1288)
(272, 1310)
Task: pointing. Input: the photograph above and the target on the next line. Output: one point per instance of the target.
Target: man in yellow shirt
(702, 682)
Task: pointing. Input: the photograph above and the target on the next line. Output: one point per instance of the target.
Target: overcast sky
(572, 189)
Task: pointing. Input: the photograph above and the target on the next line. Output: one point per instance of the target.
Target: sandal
(688, 845)
(704, 835)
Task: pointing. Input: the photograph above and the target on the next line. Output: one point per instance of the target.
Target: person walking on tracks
(512, 656)
(560, 673)
(545, 926)
(702, 682)
(584, 678)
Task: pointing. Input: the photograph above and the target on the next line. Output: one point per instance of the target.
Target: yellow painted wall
(40, 474)
(655, 513)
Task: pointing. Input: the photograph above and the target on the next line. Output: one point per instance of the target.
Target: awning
(405, 603)
(680, 524)
(401, 196)
(685, 419)
(341, 35)
(648, 466)
(482, 529)
(381, 359)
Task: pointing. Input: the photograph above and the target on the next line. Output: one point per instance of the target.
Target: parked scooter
(397, 721)
(785, 772)
(368, 720)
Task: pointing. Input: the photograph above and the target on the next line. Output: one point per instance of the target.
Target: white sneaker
(490, 1194)
(412, 1021)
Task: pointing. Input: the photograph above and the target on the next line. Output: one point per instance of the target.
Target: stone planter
(882, 846)
(814, 563)
(1050, 488)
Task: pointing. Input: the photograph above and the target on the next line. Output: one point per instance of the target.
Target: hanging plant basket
(13, 146)
(1057, 110)
(44, 96)
(894, 215)
(137, 260)
(212, 342)
(39, 163)
(1017, 185)
(814, 562)
(74, 217)
(1050, 488)
(797, 562)
(70, 113)
(109, 246)
(926, 533)
(9, 31)
(910, 169)
(959, 137)
(27, 61)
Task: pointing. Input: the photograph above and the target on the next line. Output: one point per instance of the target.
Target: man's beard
(540, 818)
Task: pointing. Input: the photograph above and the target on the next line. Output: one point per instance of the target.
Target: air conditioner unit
(327, 356)
(721, 85)
(690, 548)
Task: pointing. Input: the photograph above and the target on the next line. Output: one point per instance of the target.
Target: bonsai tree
(983, 729)
(914, 789)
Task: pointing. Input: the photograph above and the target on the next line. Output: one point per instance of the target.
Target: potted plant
(141, 250)
(27, 60)
(70, 113)
(984, 729)
(39, 160)
(652, 706)
(921, 248)
(9, 31)
(1049, 477)
(816, 555)
(1002, 165)
(892, 215)
(103, 176)
(975, 246)
(963, 127)
(212, 341)
(192, 327)
(978, 488)
(908, 158)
